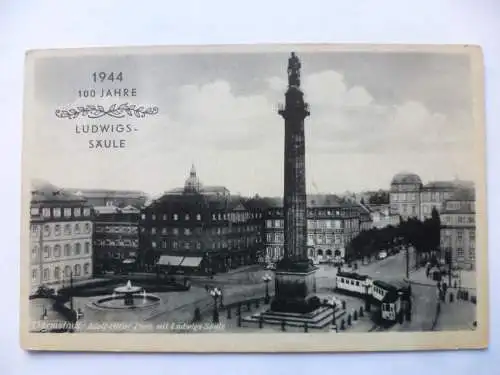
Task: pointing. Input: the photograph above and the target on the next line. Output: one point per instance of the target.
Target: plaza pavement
(246, 283)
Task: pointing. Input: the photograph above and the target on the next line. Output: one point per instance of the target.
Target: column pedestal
(295, 286)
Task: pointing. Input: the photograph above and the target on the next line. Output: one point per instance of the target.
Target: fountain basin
(119, 302)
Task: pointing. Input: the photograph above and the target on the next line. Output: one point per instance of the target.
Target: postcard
(254, 198)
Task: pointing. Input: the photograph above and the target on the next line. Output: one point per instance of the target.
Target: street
(247, 283)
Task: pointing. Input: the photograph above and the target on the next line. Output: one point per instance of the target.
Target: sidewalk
(468, 278)
(458, 315)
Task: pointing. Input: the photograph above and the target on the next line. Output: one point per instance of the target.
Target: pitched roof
(43, 191)
(106, 193)
(406, 178)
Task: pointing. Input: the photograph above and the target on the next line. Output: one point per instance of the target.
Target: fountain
(127, 302)
(127, 292)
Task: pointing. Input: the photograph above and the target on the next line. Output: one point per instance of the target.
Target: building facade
(116, 238)
(458, 229)
(331, 225)
(202, 229)
(409, 197)
(61, 237)
(381, 216)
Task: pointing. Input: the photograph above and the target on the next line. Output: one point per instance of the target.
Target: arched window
(57, 273)
(46, 230)
(87, 247)
(86, 269)
(77, 270)
(57, 251)
(320, 252)
(78, 248)
(77, 228)
(67, 229)
(67, 250)
(34, 251)
(46, 251)
(57, 230)
(329, 252)
(337, 253)
(67, 271)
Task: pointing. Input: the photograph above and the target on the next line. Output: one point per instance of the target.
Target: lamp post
(215, 293)
(334, 308)
(367, 298)
(267, 278)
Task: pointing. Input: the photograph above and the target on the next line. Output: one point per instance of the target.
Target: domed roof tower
(192, 184)
(405, 178)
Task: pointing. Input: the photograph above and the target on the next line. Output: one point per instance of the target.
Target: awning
(169, 260)
(191, 261)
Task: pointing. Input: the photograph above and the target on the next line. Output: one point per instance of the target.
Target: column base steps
(317, 319)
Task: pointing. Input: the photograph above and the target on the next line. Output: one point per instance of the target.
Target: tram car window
(391, 297)
(353, 283)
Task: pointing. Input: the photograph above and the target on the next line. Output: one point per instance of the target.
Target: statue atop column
(294, 70)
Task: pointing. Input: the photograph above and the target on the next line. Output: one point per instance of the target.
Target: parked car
(382, 255)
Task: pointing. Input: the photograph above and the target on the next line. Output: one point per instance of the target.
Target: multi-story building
(61, 236)
(381, 216)
(202, 229)
(409, 197)
(106, 197)
(458, 229)
(331, 225)
(116, 237)
(405, 195)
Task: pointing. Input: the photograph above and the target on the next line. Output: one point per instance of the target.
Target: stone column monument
(295, 274)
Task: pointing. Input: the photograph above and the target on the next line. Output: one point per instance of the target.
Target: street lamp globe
(215, 292)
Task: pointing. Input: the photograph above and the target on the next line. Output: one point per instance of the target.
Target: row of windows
(187, 245)
(58, 272)
(274, 253)
(461, 253)
(120, 229)
(456, 205)
(435, 196)
(409, 209)
(349, 281)
(319, 239)
(218, 230)
(389, 307)
(458, 219)
(317, 212)
(459, 233)
(61, 229)
(57, 250)
(118, 242)
(404, 197)
(234, 216)
(318, 224)
(58, 212)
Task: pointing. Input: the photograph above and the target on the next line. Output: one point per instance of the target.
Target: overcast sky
(372, 116)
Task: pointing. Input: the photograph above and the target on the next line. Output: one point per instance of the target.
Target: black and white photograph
(308, 197)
